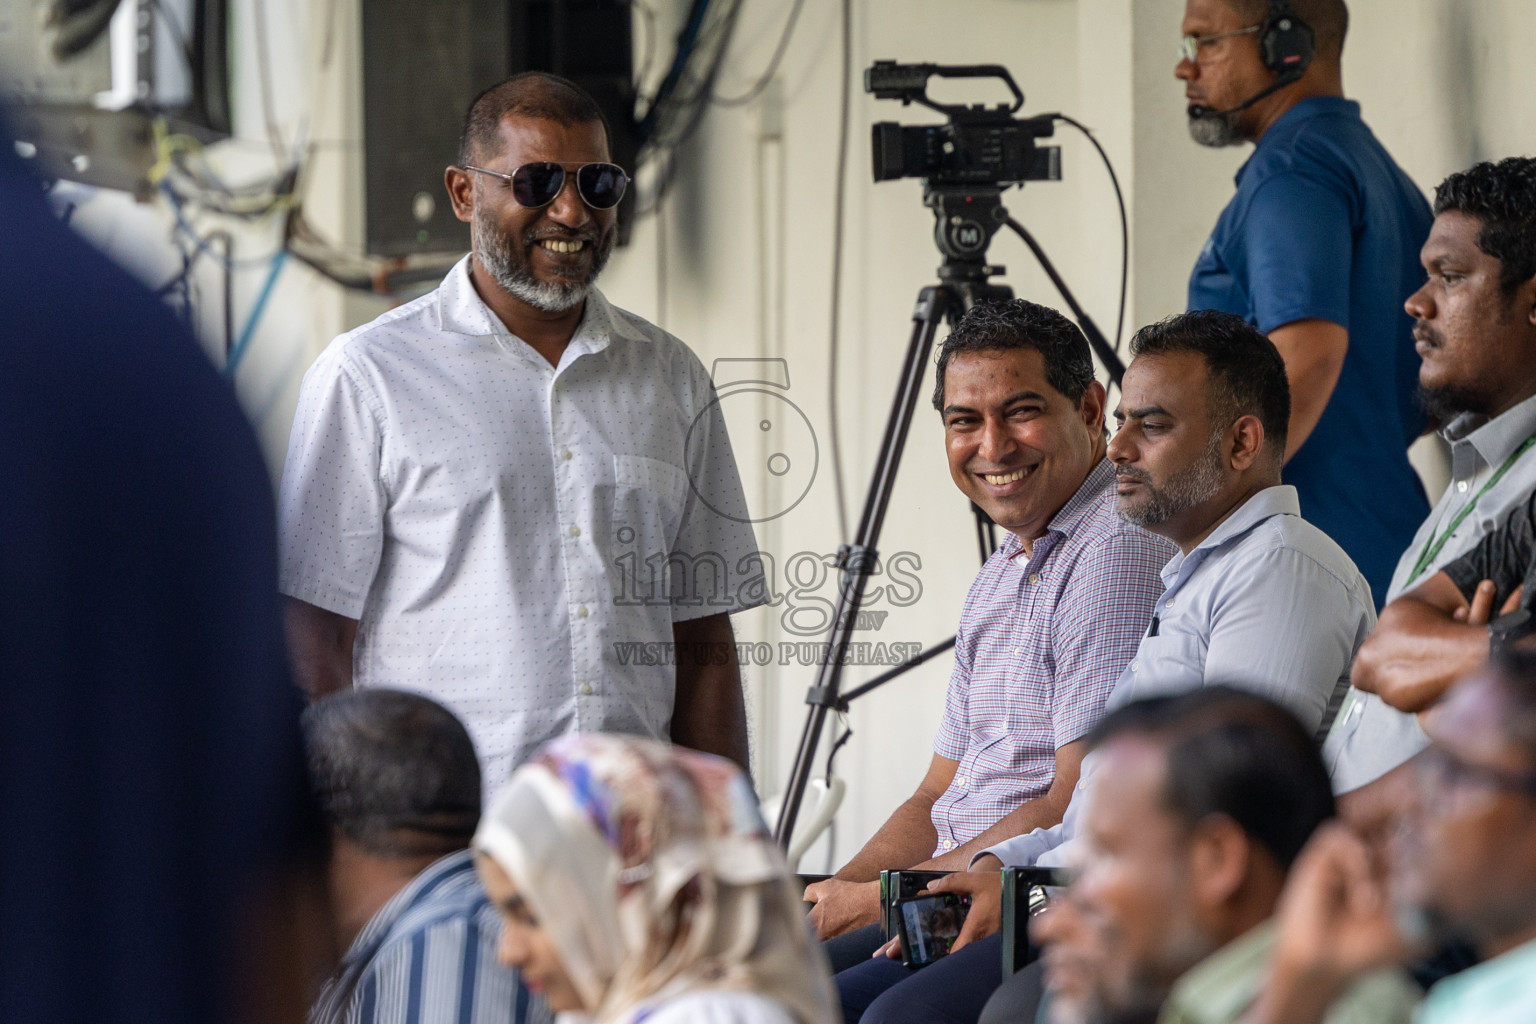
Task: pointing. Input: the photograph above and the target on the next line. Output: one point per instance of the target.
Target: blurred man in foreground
(1216, 793)
(157, 848)
(397, 778)
(1464, 868)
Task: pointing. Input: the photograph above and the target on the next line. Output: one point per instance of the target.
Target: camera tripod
(967, 218)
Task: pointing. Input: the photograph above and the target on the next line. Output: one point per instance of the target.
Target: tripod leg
(858, 559)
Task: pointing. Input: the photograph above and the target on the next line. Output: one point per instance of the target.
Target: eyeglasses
(1439, 771)
(1189, 46)
(600, 186)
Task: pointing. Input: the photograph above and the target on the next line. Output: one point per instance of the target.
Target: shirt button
(575, 531)
(1134, 666)
(1034, 577)
(565, 454)
(1168, 604)
(586, 689)
(948, 844)
(960, 781)
(581, 611)
(1461, 486)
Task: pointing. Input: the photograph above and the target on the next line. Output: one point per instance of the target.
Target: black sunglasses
(600, 186)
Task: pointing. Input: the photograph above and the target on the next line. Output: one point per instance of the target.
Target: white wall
(745, 243)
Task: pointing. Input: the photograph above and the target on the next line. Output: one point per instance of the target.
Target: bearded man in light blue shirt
(1257, 598)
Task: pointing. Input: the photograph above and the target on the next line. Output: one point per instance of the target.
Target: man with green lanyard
(1475, 328)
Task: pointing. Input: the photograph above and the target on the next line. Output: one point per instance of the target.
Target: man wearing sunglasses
(495, 492)
(1317, 249)
(1462, 867)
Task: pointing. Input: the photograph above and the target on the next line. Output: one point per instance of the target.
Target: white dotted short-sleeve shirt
(508, 532)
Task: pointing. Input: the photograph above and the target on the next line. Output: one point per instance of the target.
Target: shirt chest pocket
(1168, 664)
(648, 500)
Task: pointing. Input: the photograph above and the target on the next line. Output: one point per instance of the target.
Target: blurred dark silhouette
(156, 837)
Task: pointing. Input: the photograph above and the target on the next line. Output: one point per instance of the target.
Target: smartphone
(930, 925)
(896, 886)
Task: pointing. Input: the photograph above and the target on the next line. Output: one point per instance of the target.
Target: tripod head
(965, 219)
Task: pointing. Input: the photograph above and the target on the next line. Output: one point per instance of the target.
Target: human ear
(1219, 861)
(1092, 408)
(1245, 442)
(461, 192)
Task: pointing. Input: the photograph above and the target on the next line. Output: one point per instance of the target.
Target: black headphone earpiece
(1286, 43)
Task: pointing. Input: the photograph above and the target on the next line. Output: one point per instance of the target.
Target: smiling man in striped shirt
(1049, 624)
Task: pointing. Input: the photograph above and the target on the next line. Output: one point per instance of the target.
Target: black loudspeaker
(591, 43)
(423, 64)
(1286, 43)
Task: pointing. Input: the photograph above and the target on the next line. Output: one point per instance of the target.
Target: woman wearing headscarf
(637, 882)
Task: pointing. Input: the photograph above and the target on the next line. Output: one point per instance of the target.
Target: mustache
(1425, 333)
(1132, 473)
(535, 236)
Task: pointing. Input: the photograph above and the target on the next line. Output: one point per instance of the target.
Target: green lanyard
(1433, 545)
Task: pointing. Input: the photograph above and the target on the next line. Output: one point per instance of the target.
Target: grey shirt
(1371, 738)
(1267, 603)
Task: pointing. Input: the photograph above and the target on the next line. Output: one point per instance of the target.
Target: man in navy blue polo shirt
(1318, 249)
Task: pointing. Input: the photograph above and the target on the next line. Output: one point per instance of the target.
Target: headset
(1286, 43)
(1286, 46)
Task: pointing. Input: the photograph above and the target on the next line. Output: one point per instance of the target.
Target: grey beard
(1215, 130)
(1182, 491)
(497, 255)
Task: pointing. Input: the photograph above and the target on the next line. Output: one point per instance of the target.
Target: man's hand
(1480, 611)
(1334, 924)
(1335, 917)
(984, 885)
(842, 906)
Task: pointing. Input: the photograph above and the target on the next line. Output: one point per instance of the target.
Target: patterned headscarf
(651, 871)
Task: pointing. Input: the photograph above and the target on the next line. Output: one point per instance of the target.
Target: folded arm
(1420, 646)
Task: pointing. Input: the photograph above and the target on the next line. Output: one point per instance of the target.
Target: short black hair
(394, 772)
(995, 326)
(1245, 373)
(1503, 197)
(1234, 753)
(1328, 19)
(527, 94)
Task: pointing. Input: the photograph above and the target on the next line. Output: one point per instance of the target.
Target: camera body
(976, 146)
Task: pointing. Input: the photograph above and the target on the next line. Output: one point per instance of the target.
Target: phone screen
(930, 925)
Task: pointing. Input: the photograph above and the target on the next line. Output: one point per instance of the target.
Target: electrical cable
(838, 191)
(773, 65)
(247, 332)
(648, 14)
(264, 79)
(680, 102)
(1125, 227)
(1096, 340)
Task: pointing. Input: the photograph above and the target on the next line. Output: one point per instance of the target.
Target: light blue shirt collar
(1280, 500)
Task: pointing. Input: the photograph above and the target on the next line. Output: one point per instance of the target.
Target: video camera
(979, 145)
(965, 163)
